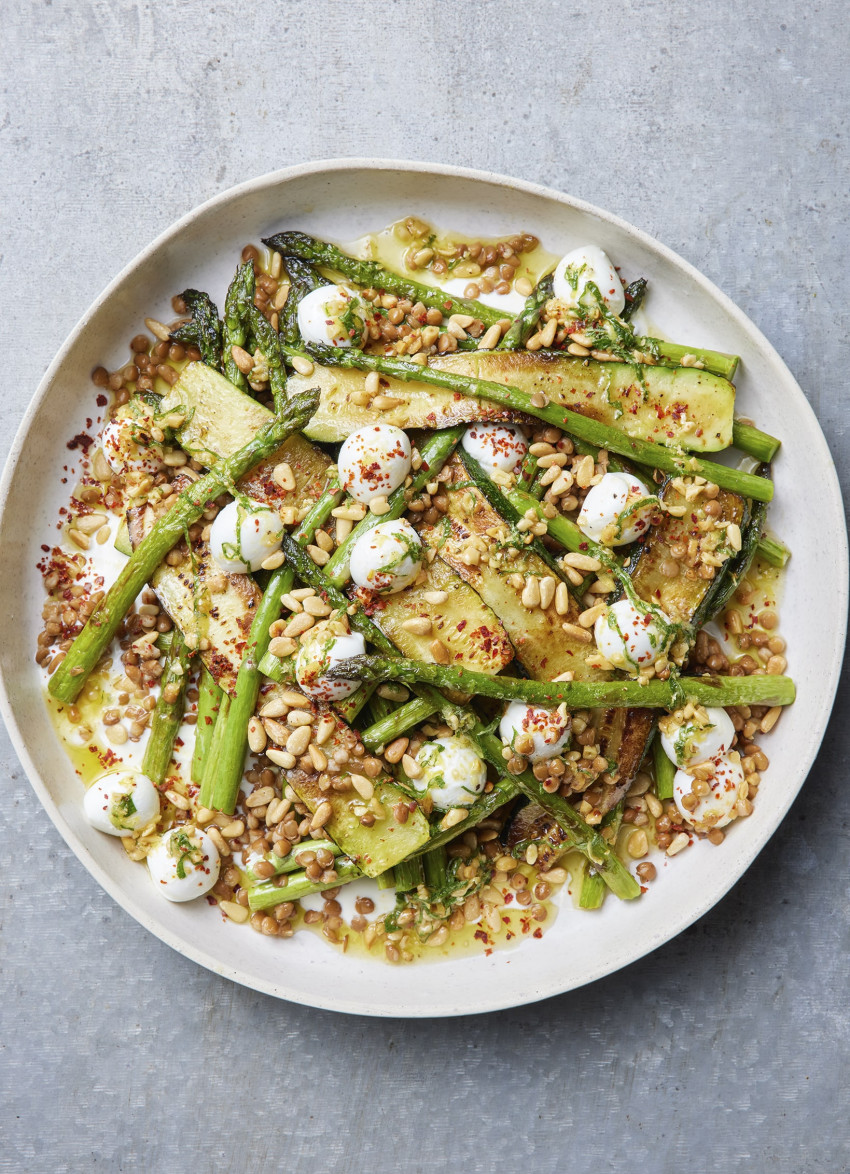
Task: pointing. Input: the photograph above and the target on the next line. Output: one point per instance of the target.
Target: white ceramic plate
(341, 200)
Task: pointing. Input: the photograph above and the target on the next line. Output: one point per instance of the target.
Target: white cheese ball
(128, 447)
(631, 639)
(320, 651)
(588, 263)
(548, 729)
(690, 742)
(242, 537)
(374, 461)
(387, 558)
(617, 510)
(121, 802)
(333, 315)
(496, 447)
(184, 864)
(452, 773)
(718, 807)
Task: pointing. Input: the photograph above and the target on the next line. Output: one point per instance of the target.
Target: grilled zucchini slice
(680, 406)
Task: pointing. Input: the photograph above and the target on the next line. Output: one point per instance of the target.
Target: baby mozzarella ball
(496, 447)
(548, 730)
(242, 537)
(631, 639)
(332, 315)
(120, 802)
(184, 864)
(588, 263)
(321, 651)
(387, 558)
(717, 808)
(689, 742)
(374, 461)
(617, 510)
(129, 449)
(452, 773)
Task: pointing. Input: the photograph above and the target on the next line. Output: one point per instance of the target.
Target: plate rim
(282, 175)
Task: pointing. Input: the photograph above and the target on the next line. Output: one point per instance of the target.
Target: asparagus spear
(580, 835)
(754, 442)
(434, 864)
(204, 331)
(644, 452)
(635, 292)
(290, 862)
(665, 770)
(67, 682)
(408, 874)
(209, 700)
(405, 718)
(168, 713)
(715, 361)
(592, 892)
(229, 763)
(761, 689)
(773, 551)
(435, 452)
(237, 314)
(526, 321)
(268, 341)
(370, 274)
(205, 796)
(268, 894)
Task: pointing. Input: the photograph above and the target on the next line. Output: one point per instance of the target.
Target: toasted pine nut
(419, 625)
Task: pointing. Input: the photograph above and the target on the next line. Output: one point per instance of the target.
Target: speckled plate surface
(342, 200)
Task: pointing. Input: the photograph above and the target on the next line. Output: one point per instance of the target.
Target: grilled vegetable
(526, 321)
(204, 331)
(67, 682)
(666, 405)
(237, 315)
(303, 279)
(168, 714)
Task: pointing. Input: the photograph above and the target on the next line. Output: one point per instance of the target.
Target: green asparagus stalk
(229, 764)
(665, 770)
(290, 862)
(209, 700)
(579, 834)
(67, 682)
(655, 456)
(408, 874)
(168, 714)
(753, 441)
(205, 795)
(434, 864)
(504, 790)
(773, 551)
(758, 689)
(592, 892)
(268, 341)
(268, 894)
(204, 331)
(635, 292)
(237, 315)
(405, 718)
(715, 361)
(435, 452)
(370, 274)
(526, 321)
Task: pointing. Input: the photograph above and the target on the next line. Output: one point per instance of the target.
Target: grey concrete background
(719, 127)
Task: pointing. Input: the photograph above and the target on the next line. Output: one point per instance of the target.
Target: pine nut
(282, 646)
(178, 800)
(548, 586)
(523, 286)
(299, 740)
(384, 403)
(588, 618)
(280, 758)
(319, 556)
(531, 593)
(302, 366)
(260, 798)
(372, 383)
(411, 767)
(232, 830)
(79, 539)
(679, 842)
(490, 338)
(579, 351)
(273, 561)
(218, 839)
(323, 813)
(318, 757)
(324, 730)
(158, 329)
(242, 359)
(314, 606)
(234, 911)
(364, 787)
(577, 633)
(562, 599)
(283, 476)
(584, 472)
(581, 562)
(419, 625)
(637, 844)
(257, 738)
(396, 749)
(770, 719)
(439, 652)
(379, 506)
(435, 597)
(454, 817)
(301, 623)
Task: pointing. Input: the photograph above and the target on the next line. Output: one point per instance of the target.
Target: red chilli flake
(81, 440)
